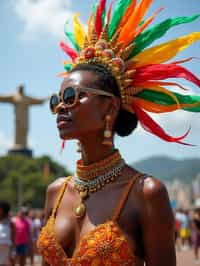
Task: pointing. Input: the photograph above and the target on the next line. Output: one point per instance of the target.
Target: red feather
(99, 14)
(62, 145)
(164, 71)
(151, 126)
(69, 51)
(109, 12)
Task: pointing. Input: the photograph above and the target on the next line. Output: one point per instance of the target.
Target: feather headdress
(119, 39)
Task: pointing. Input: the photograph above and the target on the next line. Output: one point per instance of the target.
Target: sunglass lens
(69, 96)
(54, 101)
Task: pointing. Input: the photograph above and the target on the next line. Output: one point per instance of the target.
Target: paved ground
(184, 258)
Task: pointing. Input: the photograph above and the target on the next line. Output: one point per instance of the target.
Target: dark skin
(146, 219)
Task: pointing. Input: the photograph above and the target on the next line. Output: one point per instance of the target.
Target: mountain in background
(167, 169)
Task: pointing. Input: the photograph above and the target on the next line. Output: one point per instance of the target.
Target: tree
(31, 175)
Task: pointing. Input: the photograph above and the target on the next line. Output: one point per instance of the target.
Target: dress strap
(60, 195)
(124, 196)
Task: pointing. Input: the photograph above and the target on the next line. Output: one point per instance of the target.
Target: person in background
(37, 225)
(196, 233)
(35, 221)
(185, 230)
(6, 234)
(177, 230)
(22, 235)
(29, 217)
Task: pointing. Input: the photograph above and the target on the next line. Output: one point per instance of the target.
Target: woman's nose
(61, 108)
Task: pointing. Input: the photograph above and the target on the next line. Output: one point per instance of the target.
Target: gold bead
(80, 210)
(107, 134)
(84, 194)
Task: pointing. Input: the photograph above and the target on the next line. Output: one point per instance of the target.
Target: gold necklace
(87, 186)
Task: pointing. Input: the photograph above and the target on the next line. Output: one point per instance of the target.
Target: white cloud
(43, 17)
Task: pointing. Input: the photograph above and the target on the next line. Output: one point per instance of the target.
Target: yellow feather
(164, 52)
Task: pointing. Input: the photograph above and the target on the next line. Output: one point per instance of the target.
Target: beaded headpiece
(118, 39)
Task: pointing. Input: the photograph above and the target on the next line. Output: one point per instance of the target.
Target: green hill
(29, 175)
(167, 169)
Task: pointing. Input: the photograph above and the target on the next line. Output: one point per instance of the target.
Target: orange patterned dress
(103, 245)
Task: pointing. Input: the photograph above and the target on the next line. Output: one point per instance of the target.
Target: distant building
(180, 193)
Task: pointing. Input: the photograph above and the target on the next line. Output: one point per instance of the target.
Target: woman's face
(88, 115)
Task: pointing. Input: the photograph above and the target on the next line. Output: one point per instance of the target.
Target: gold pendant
(80, 210)
(84, 194)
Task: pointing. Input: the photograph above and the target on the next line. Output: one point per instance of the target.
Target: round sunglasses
(71, 95)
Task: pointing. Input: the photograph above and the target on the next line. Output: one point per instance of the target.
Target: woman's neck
(92, 150)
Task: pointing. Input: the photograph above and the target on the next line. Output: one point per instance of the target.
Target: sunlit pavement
(186, 258)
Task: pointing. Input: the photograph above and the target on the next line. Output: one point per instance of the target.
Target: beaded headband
(118, 39)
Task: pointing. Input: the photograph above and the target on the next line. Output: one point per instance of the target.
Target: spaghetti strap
(124, 196)
(60, 195)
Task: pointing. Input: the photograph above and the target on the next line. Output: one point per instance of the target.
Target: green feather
(71, 37)
(95, 9)
(149, 36)
(118, 13)
(164, 99)
(104, 18)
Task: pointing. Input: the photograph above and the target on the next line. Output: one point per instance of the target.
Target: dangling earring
(79, 147)
(107, 132)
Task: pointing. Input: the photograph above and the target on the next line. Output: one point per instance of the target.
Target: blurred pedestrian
(177, 230)
(37, 225)
(185, 229)
(23, 240)
(6, 234)
(196, 234)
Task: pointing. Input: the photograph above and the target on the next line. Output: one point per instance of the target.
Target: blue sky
(30, 33)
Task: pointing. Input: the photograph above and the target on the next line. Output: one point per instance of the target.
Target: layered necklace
(93, 177)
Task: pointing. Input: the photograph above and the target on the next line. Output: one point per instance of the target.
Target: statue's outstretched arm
(6, 98)
(35, 101)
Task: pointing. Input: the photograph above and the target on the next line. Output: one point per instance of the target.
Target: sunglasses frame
(77, 91)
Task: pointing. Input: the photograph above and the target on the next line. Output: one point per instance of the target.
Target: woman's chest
(69, 230)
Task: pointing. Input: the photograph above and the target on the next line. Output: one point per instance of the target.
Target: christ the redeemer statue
(21, 103)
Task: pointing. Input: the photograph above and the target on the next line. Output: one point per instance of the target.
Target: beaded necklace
(93, 177)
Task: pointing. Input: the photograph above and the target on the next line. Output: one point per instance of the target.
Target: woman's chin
(66, 135)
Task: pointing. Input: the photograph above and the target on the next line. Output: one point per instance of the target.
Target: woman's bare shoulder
(151, 187)
(52, 193)
(55, 186)
(147, 187)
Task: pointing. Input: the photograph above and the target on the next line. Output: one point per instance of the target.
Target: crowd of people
(18, 235)
(188, 231)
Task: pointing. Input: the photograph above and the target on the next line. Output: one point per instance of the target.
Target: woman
(22, 236)
(6, 234)
(108, 213)
(196, 233)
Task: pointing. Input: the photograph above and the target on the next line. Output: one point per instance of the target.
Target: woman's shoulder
(56, 185)
(53, 189)
(147, 186)
(152, 187)
(52, 193)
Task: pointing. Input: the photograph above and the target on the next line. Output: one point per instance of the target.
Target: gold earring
(79, 147)
(107, 132)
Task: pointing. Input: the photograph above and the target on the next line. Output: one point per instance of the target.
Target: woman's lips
(63, 124)
(63, 121)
